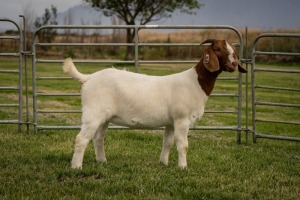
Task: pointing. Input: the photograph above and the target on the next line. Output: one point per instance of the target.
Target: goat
(134, 100)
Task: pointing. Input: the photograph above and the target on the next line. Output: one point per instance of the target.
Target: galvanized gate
(42, 79)
(279, 105)
(11, 89)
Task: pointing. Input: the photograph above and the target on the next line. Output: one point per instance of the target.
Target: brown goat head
(219, 56)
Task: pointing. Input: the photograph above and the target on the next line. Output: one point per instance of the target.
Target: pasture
(37, 166)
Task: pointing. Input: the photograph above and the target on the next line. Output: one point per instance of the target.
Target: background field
(37, 166)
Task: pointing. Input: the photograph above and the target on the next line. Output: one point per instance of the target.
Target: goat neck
(206, 78)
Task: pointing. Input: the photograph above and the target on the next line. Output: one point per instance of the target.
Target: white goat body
(124, 98)
(140, 101)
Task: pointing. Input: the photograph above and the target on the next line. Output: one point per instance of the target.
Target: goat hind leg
(99, 142)
(87, 132)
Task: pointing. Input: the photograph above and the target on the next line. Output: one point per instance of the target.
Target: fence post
(136, 49)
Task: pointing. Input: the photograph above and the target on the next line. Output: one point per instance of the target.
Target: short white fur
(231, 53)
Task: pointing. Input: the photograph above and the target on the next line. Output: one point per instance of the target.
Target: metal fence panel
(15, 84)
(39, 90)
(257, 103)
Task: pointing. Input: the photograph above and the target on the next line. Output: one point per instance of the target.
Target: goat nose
(234, 63)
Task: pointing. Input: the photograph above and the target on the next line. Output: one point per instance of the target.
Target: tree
(142, 11)
(49, 18)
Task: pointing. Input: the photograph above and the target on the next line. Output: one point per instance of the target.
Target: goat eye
(216, 49)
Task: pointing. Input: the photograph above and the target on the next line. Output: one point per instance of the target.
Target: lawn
(37, 166)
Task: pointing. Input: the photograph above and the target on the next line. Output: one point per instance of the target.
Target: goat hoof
(76, 166)
(102, 160)
(165, 163)
(182, 167)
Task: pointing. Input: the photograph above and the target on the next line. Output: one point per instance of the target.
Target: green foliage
(70, 53)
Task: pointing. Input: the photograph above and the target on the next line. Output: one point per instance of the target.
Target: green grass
(37, 166)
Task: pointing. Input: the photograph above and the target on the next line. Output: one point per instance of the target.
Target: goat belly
(141, 121)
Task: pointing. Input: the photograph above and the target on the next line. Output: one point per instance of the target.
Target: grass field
(37, 166)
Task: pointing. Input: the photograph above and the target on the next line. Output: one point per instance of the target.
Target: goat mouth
(230, 69)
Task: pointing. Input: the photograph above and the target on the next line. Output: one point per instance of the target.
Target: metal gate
(278, 105)
(42, 79)
(46, 71)
(11, 78)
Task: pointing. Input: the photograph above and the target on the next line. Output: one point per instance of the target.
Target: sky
(262, 14)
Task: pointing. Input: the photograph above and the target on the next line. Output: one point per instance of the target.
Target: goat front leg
(167, 144)
(181, 139)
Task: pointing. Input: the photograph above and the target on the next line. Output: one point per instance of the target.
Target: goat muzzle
(230, 68)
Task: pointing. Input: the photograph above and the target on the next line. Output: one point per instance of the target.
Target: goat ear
(210, 60)
(241, 69)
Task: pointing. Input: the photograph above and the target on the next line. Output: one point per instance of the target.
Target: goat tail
(70, 69)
